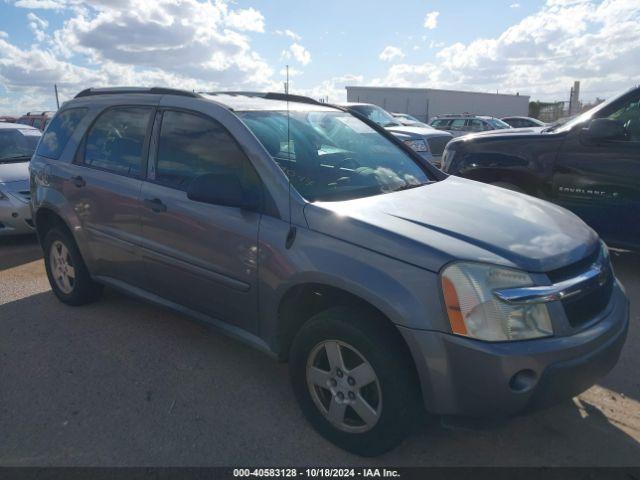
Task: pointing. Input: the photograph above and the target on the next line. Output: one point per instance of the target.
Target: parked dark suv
(319, 238)
(590, 165)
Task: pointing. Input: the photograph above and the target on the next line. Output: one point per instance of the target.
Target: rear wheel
(354, 381)
(67, 273)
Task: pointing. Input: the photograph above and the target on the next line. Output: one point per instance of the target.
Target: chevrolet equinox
(314, 235)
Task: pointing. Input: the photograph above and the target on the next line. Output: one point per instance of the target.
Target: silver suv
(319, 238)
(466, 123)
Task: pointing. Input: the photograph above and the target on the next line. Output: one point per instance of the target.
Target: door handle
(78, 181)
(155, 204)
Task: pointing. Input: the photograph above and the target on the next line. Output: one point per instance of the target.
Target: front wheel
(354, 381)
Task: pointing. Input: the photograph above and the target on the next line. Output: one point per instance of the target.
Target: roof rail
(152, 90)
(449, 115)
(270, 96)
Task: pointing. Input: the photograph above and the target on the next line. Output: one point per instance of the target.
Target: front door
(600, 182)
(199, 255)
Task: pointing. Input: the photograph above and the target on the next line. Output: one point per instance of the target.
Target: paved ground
(121, 382)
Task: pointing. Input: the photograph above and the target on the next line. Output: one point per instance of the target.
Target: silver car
(466, 123)
(17, 144)
(390, 288)
(427, 141)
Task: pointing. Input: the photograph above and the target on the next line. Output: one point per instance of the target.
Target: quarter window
(59, 132)
(191, 145)
(116, 140)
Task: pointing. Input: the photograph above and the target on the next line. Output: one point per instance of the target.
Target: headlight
(417, 145)
(474, 311)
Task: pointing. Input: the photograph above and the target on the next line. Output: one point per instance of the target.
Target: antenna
(55, 88)
(288, 140)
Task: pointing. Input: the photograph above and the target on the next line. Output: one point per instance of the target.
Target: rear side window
(116, 140)
(458, 124)
(440, 123)
(59, 132)
(191, 145)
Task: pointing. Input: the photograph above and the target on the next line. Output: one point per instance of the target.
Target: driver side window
(629, 116)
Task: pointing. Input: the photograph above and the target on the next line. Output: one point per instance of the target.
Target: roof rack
(450, 115)
(270, 96)
(152, 90)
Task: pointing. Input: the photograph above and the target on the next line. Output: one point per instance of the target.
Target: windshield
(332, 155)
(497, 124)
(17, 144)
(376, 115)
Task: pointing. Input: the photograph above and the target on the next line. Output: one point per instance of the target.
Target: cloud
(37, 26)
(298, 52)
(40, 4)
(566, 40)
(390, 53)
(193, 45)
(249, 19)
(288, 33)
(332, 89)
(431, 20)
(514, 5)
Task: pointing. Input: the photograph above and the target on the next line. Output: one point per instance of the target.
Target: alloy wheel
(344, 386)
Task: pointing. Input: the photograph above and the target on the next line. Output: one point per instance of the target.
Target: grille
(573, 269)
(437, 144)
(584, 308)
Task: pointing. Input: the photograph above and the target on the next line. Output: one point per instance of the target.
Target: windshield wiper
(409, 186)
(14, 157)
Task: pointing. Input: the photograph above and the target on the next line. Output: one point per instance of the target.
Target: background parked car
(17, 144)
(463, 124)
(38, 120)
(409, 120)
(590, 165)
(524, 122)
(427, 141)
(8, 119)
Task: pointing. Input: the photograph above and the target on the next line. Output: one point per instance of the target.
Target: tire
(394, 395)
(508, 186)
(79, 289)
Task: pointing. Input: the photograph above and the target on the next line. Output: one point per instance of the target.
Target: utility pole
(55, 88)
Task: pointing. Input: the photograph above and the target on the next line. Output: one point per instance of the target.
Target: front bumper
(15, 216)
(462, 376)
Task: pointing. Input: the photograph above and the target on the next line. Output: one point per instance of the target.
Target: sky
(533, 47)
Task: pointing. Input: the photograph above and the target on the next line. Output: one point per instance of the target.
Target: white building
(426, 103)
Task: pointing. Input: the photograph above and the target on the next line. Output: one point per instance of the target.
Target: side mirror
(604, 129)
(222, 189)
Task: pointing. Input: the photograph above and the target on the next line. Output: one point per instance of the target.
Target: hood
(459, 219)
(14, 172)
(424, 132)
(528, 131)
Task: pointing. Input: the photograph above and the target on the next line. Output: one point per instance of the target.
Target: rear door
(601, 182)
(199, 255)
(103, 185)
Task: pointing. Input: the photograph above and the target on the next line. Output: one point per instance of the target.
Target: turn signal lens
(453, 307)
